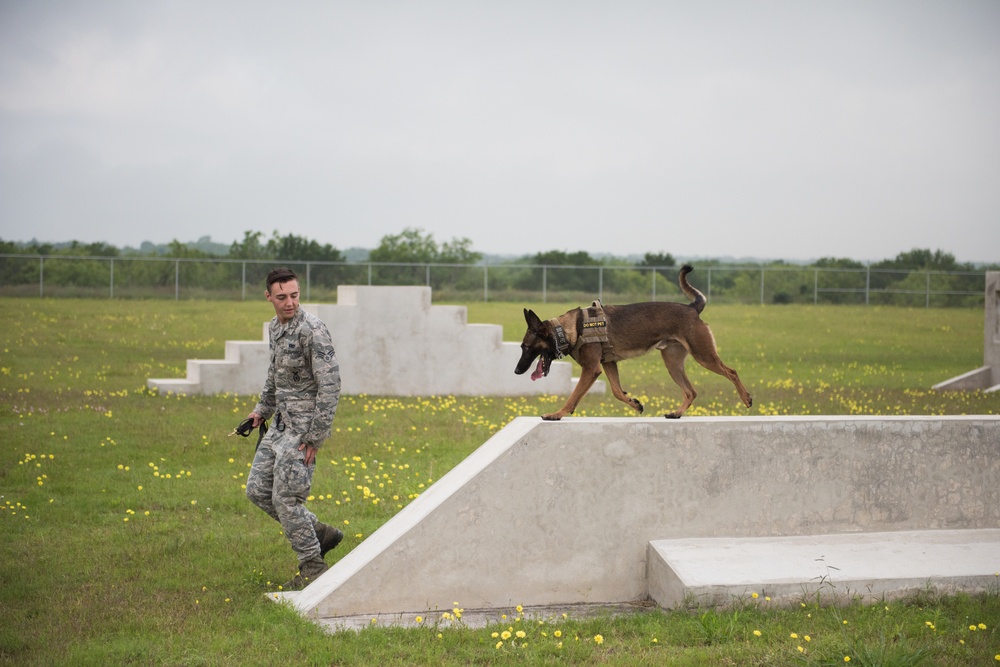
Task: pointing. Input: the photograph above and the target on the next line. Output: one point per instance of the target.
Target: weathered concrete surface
(871, 566)
(390, 341)
(987, 376)
(550, 513)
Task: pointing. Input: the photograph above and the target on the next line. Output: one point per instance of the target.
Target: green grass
(88, 577)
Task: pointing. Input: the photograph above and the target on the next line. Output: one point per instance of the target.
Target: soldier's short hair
(280, 275)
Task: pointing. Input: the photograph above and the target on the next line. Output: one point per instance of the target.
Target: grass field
(126, 537)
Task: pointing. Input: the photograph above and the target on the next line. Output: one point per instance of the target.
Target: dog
(601, 336)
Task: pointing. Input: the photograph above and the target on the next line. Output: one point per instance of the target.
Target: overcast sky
(787, 130)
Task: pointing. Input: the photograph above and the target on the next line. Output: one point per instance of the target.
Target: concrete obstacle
(547, 514)
(987, 376)
(390, 341)
(839, 568)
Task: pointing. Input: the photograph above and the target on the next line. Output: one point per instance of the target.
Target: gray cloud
(773, 129)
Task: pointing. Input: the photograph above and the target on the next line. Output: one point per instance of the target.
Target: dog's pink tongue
(539, 369)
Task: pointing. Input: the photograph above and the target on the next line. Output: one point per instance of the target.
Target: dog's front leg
(590, 370)
(611, 370)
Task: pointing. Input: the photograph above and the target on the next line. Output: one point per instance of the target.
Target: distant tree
(923, 260)
(294, 250)
(250, 247)
(18, 271)
(908, 274)
(661, 260)
(411, 245)
(182, 250)
(575, 277)
(837, 263)
(92, 249)
(415, 246)
(458, 251)
(298, 248)
(664, 259)
(210, 247)
(562, 258)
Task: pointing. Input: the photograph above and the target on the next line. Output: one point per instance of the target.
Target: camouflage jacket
(303, 379)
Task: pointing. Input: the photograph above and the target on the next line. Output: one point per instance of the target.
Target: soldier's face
(285, 299)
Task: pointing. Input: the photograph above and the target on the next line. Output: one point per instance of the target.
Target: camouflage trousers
(279, 483)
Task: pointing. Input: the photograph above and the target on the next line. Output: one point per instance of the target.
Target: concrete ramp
(562, 513)
(987, 376)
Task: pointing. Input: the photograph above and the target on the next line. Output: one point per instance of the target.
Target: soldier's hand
(310, 451)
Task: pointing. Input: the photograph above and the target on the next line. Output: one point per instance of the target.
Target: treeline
(415, 257)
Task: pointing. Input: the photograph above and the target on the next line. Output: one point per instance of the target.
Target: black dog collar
(562, 345)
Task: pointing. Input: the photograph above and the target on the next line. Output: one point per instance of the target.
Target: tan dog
(597, 339)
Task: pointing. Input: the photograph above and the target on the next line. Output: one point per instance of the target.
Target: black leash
(246, 428)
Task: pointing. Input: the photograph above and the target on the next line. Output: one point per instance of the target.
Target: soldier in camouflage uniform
(301, 392)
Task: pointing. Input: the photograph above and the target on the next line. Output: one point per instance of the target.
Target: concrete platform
(548, 514)
(390, 341)
(839, 567)
(987, 376)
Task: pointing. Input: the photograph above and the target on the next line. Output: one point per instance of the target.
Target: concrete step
(838, 567)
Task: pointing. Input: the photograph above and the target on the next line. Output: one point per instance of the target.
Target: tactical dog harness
(595, 330)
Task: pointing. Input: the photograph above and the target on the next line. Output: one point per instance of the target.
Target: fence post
(177, 280)
(762, 287)
(709, 282)
(369, 274)
(868, 282)
(600, 283)
(927, 304)
(815, 286)
(653, 270)
(112, 288)
(486, 283)
(41, 276)
(308, 279)
(243, 282)
(545, 279)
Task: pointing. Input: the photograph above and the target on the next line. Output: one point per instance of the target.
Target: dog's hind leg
(706, 355)
(716, 366)
(674, 355)
(611, 370)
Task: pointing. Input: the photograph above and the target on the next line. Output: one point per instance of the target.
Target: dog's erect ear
(533, 320)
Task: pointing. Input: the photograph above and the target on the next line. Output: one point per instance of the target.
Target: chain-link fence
(233, 279)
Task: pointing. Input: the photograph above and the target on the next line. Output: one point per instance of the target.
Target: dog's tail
(698, 299)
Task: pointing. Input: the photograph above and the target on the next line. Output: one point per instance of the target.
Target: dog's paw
(638, 406)
(673, 415)
(554, 417)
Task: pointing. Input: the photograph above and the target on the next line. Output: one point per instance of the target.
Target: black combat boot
(308, 572)
(328, 536)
